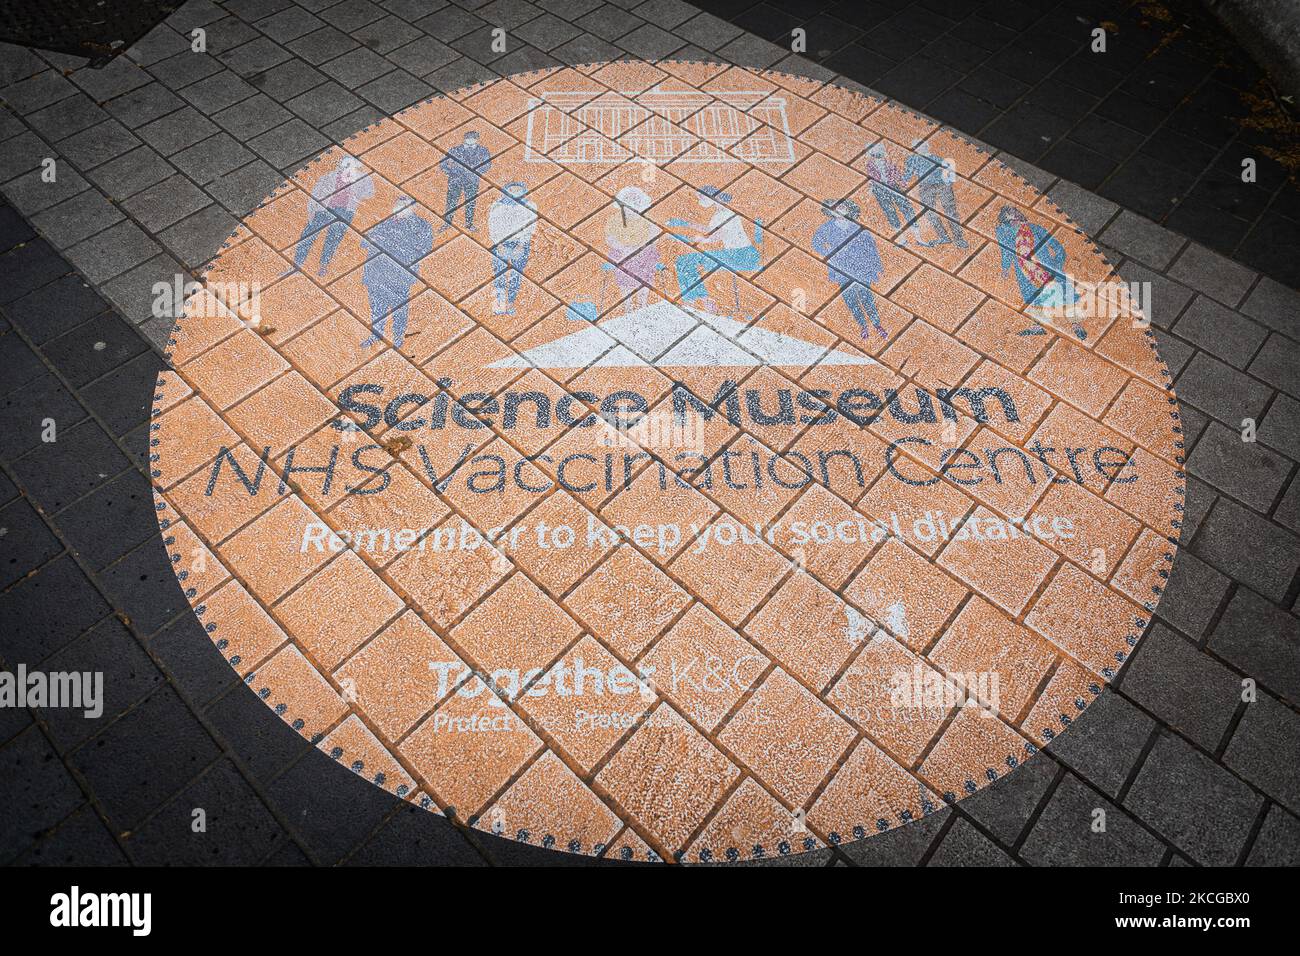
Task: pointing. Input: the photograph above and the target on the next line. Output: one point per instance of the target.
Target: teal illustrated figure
(852, 261)
(333, 203)
(464, 165)
(888, 185)
(395, 247)
(1038, 259)
(736, 252)
(936, 177)
(512, 220)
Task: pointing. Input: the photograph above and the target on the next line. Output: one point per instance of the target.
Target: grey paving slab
(30, 193)
(386, 34)
(394, 91)
(74, 219)
(1278, 363)
(1006, 806)
(1186, 688)
(128, 174)
(256, 56)
(1278, 842)
(143, 105)
(98, 144)
(1276, 305)
(66, 117)
(113, 251)
(1221, 331)
(118, 76)
(1247, 548)
(1141, 239)
(1105, 743)
(422, 56)
(242, 190)
(212, 157)
(1193, 595)
(158, 44)
(1080, 827)
(964, 845)
(32, 93)
(1262, 640)
(167, 202)
(1263, 749)
(289, 143)
(1249, 471)
(1280, 429)
(217, 91)
(289, 24)
(198, 237)
(1222, 391)
(1208, 272)
(176, 131)
(1201, 807)
(287, 80)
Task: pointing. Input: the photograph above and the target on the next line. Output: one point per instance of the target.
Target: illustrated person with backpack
(512, 220)
(396, 247)
(333, 202)
(1038, 261)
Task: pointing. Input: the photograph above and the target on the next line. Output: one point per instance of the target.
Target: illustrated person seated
(396, 247)
(1038, 260)
(464, 165)
(936, 177)
(630, 236)
(512, 220)
(735, 250)
(853, 261)
(333, 202)
(889, 186)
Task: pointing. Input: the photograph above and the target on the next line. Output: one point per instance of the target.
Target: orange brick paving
(743, 694)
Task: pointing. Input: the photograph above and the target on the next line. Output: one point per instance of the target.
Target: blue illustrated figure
(333, 203)
(888, 185)
(464, 165)
(511, 223)
(935, 177)
(736, 252)
(1038, 259)
(852, 261)
(396, 247)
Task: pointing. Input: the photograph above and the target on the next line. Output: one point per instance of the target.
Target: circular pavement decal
(668, 462)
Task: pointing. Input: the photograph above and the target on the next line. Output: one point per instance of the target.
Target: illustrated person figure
(1038, 259)
(630, 237)
(736, 252)
(888, 185)
(396, 247)
(333, 203)
(852, 261)
(511, 223)
(935, 177)
(464, 165)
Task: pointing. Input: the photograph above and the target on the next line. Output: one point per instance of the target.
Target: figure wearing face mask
(852, 261)
(512, 220)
